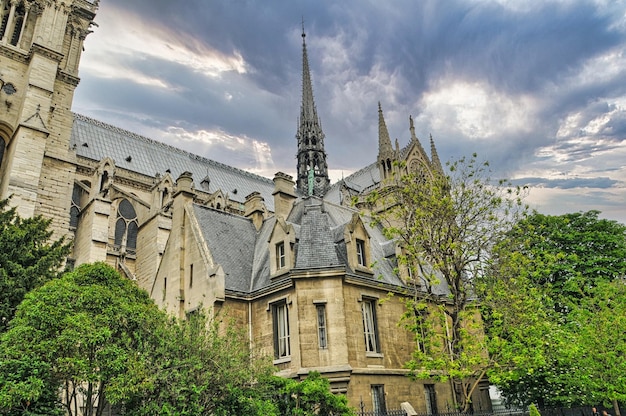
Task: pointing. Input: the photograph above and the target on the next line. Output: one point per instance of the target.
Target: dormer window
(280, 255)
(360, 253)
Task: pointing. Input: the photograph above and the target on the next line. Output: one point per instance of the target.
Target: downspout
(250, 325)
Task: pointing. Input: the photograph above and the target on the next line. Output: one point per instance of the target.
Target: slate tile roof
(243, 252)
(368, 177)
(316, 246)
(231, 240)
(95, 140)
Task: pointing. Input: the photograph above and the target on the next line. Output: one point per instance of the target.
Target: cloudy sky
(537, 88)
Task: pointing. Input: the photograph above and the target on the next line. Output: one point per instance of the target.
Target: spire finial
(303, 34)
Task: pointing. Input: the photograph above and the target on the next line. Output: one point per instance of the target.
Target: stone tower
(40, 46)
(312, 168)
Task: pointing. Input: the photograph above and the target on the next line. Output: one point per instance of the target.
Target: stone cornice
(67, 78)
(48, 53)
(14, 53)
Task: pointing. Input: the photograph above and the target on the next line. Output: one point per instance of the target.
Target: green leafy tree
(598, 327)
(84, 335)
(446, 225)
(202, 366)
(28, 258)
(564, 258)
(309, 397)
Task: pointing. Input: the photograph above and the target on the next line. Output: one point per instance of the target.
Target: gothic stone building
(289, 260)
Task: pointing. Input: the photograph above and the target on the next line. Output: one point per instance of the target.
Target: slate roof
(231, 240)
(95, 140)
(359, 181)
(316, 245)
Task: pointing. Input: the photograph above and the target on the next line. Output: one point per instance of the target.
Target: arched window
(103, 180)
(2, 146)
(126, 227)
(4, 18)
(20, 13)
(75, 208)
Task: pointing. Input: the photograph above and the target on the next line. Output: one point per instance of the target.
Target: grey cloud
(569, 183)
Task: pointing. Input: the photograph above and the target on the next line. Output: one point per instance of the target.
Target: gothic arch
(126, 227)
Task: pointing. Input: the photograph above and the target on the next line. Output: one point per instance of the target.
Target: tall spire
(312, 169)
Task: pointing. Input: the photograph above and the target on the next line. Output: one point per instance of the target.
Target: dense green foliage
(85, 332)
(93, 337)
(196, 369)
(309, 397)
(27, 258)
(446, 225)
(575, 264)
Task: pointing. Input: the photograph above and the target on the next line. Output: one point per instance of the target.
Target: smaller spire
(385, 149)
(434, 155)
(415, 139)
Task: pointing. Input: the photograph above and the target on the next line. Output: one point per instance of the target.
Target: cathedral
(291, 260)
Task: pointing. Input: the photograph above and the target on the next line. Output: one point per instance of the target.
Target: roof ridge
(362, 170)
(167, 146)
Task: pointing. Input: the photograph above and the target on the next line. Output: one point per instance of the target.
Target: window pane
(2, 146)
(281, 330)
(378, 399)
(120, 230)
(321, 325)
(280, 255)
(126, 210)
(369, 326)
(131, 236)
(74, 216)
(360, 252)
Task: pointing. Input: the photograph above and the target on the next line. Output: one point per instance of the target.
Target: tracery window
(4, 18)
(126, 227)
(2, 146)
(75, 207)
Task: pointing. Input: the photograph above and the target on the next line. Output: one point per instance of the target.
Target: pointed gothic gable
(190, 274)
(281, 246)
(358, 245)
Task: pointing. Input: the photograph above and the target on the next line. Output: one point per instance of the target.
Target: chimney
(255, 209)
(284, 194)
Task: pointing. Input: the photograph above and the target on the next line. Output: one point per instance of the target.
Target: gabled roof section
(316, 247)
(95, 140)
(231, 239)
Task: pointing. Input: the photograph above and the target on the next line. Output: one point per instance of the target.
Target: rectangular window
(321, 326)
(370, 327)
(164, 287)
(360, 253)
(431, 399)
(191, 276)
(280, 255)
(378, 399)
(280, 317)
